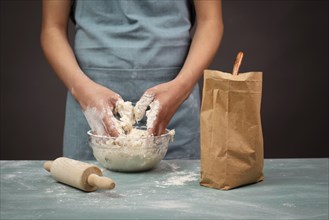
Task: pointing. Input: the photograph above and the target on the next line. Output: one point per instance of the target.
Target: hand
(98, 104)
(164, 100)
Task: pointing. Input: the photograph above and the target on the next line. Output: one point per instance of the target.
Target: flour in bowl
(134, 149)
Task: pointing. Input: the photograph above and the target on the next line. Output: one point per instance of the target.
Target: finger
(158, 129)
(161, 128)
(152, 114)
(154, 129)
(116, 97)
(94, 119)
(154, 118)
(111, 125)
(142, 105)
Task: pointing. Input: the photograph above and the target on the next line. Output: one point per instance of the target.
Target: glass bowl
(127, 154)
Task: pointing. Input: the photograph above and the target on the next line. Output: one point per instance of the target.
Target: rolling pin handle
(100, 182)
(47, 165)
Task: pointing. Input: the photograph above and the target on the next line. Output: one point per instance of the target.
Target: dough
(134, 149)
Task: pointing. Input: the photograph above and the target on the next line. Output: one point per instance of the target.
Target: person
(128, 50)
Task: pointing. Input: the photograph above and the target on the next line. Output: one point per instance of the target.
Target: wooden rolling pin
(78, 174)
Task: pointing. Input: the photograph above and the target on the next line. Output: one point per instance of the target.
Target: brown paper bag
(230, 126)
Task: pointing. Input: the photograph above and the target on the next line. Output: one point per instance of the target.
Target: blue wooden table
(293, 189)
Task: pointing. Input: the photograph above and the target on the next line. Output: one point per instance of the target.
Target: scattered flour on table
(174, 167)
(178, 179)
(164, 166)
(290, 205)
(169, 204)
(8, 176)
(14, 163)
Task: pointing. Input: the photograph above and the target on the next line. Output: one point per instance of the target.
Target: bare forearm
(205, 43)
(55, 44)
(61, 57)
(204, 46)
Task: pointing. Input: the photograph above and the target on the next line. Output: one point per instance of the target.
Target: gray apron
(129, 47)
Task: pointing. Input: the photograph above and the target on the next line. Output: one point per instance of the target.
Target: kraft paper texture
(230, 128)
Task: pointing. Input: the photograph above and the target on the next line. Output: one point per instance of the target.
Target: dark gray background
(287, 40)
